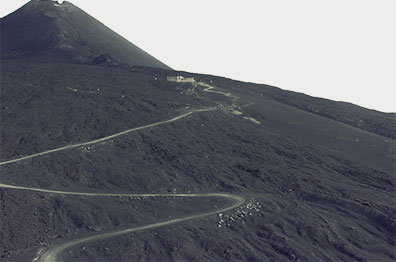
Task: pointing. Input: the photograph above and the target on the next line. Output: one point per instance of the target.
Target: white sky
(343, 50)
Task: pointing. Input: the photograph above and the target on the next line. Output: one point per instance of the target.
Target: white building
(181, 79)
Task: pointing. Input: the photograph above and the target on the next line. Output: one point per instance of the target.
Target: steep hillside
(48, 31)
(314, 188)
(106, 154)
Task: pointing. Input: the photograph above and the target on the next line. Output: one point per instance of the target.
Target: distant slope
(46, 31)
(370, 120)
(366, 119)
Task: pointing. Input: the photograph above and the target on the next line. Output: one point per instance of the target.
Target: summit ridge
(46, 30)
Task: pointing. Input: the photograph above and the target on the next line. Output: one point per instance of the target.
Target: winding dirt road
(107, 137)
(51, 254)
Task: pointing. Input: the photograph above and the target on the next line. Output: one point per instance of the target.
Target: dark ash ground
(319, 184)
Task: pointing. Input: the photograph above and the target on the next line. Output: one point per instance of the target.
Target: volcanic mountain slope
(317, 177)
(46, 30)
(315, 188)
